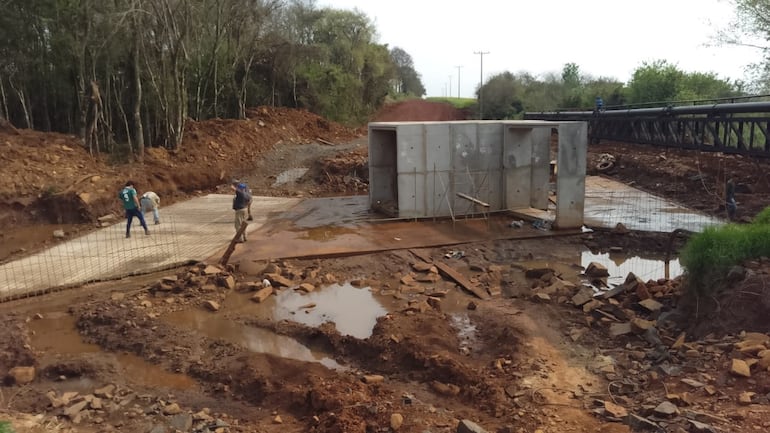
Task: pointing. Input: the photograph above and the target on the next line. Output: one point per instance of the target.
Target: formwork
(460, 168)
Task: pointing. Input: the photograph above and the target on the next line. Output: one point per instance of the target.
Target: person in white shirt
(151, 202)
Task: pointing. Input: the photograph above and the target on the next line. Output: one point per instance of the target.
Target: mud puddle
(254, 339)
(56, 334)
(619, 265)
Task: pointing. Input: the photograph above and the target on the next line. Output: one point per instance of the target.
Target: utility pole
(481, 82)
(450, 87)
(458, 80)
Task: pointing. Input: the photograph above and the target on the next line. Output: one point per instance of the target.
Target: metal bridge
(742, 127)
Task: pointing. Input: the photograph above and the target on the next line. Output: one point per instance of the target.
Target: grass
(5, 427)
(763, 217)
(709, 256)
(459, 103)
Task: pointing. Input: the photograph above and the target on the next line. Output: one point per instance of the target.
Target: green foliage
(5, 427)
(763, 217)
(459, 103)
(408, 81)
(708, 256)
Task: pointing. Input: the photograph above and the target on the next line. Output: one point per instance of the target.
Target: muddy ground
(386, 341)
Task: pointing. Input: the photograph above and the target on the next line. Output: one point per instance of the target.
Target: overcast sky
(607, 38)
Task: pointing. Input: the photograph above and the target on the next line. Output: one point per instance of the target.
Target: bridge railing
(729, 127)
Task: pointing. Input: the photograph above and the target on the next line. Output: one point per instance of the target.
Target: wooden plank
(230, 248)
(421, 255)
(460, 279)
(472, 199)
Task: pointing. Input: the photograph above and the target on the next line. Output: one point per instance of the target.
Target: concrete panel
(541, 167)
(517, 164)
(438, 144)
(411, 195)
(438, 185)
(570, 181)
(464, 144)
(411, 147)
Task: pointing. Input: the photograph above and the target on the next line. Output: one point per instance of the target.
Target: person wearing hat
(131, 205)
(240, 206)
(151, 202)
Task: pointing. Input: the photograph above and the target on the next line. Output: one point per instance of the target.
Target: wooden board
(460, 279)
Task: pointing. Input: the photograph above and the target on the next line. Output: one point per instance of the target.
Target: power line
(481, 82)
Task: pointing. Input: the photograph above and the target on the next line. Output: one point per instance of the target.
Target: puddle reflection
(56, 333)
(353, 311)
(254, 339)
(619, 265)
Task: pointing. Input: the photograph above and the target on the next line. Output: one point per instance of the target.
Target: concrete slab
(340, 226)
(189, 231)
(609, 202)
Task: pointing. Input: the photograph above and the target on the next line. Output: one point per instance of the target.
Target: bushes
(708, 256)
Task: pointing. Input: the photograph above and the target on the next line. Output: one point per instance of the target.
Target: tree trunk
(137, 100)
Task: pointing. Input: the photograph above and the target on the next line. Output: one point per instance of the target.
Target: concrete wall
(419, 168)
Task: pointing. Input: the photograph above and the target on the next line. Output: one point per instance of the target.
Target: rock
(679, 342)
(615, 410)
(592, 305)
(537, 273)
(211, 305)
(640, 326)
(739, 367)
(620, 228)
(396, 420)
(22, 375)
(434, 302)
(583, 296)
(764, 361)
(277, 420)
(618, 329)
(278, 281)
(212, 270)
(95, 403)
(106, 218)
(666, 409)
(105, 392)
(308, 306)
(471, 305)
(171, 409)
(736, 273)
(445, 389)
(59, 234)
(637, 422)
(596, 270)
(74, 410)
(373, 378)
(651, 305)
(227, 282)
(306, 287)
(700, 427)
(745, 398)
(421, 266)
(693, 383)
(158, 428)
(262, 294)
(541, 297)
(182, 422)
(468, 426)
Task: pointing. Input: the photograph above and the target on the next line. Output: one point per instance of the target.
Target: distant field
(460, 103)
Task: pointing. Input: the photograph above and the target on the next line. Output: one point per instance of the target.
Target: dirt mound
(418, 110)
(50, 177)
(343, 173)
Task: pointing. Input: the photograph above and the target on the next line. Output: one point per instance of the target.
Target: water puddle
(254, 339)
(288, 176)
(353, 311)
(56, 333)
(619, 265)
(466, 330)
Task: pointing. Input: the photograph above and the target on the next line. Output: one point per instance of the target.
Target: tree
(502, 97)
(751, 28)
(408, 80)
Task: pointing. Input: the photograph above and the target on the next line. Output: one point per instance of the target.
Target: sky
(607, 38)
